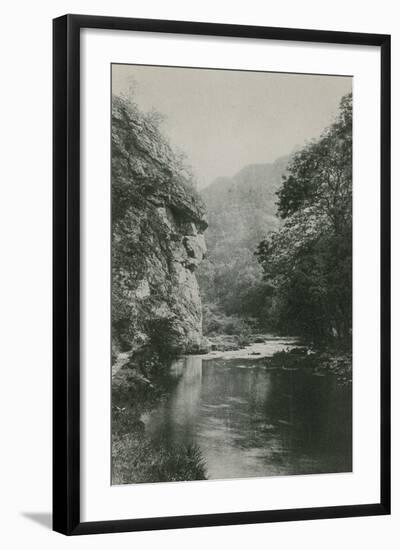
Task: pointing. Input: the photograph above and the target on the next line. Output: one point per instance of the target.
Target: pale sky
(223, 119)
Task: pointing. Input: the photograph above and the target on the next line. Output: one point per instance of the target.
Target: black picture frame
(66, 272)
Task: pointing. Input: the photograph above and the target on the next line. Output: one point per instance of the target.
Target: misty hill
(241, 211)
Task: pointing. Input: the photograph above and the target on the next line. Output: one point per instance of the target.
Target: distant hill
(241, 210)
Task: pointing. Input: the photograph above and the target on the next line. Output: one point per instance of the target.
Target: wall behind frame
(25, 289)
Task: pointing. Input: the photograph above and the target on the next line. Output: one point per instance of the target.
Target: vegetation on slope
(241, 211)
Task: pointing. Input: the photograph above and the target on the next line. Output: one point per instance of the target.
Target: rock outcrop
(158, 221)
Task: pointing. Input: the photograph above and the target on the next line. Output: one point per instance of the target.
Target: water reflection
(252, 421)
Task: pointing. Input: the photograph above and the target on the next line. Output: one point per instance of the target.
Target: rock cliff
(158, 222)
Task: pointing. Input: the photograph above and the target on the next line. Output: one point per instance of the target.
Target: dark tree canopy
(307, 262)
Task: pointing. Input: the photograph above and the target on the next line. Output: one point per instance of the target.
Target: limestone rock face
(158, 222)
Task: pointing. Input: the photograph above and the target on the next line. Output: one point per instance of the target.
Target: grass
(136, 459)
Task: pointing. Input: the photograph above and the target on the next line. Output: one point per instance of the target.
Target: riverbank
(139, 386)
(256, 345)
(287, 353)
(333, 362)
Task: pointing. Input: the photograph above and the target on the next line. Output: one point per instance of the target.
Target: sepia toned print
(231, 274)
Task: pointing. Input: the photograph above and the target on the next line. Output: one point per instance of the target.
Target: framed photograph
(221, 274)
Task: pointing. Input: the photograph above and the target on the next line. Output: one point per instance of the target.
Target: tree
(307, 261)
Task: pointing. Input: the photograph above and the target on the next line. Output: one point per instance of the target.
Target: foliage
(217, 322)
(139, 460)
(307, 262)
(241, 211)
(164, 337)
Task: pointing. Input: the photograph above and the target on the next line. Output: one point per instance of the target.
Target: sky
(224, 120)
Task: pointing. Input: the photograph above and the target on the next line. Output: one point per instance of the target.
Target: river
(251, 420)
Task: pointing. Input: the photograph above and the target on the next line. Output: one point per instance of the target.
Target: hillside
(241, 211)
